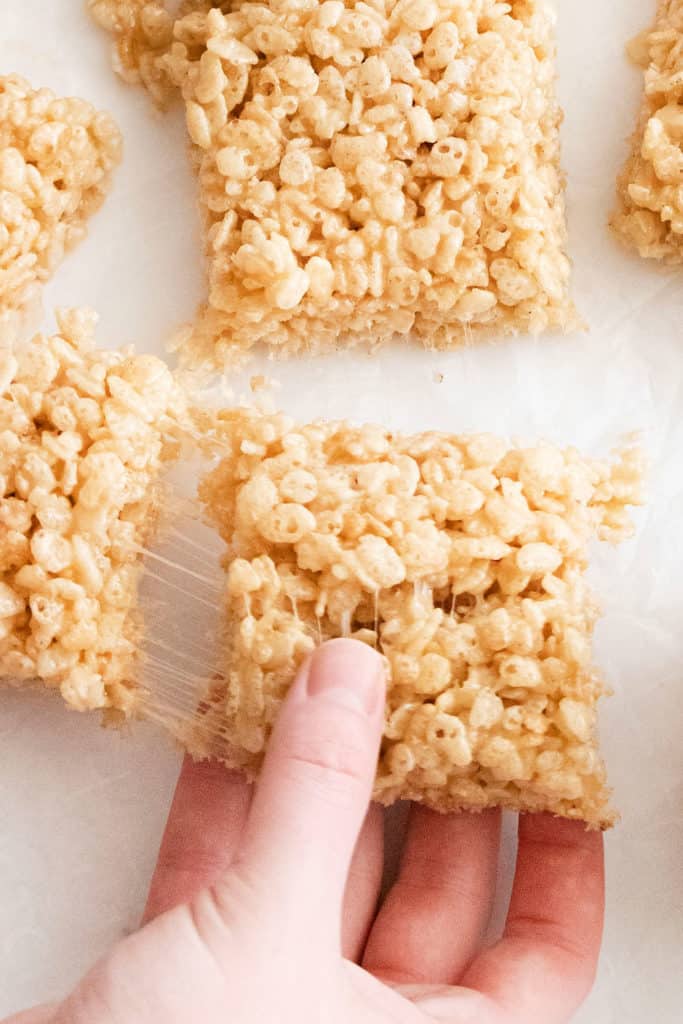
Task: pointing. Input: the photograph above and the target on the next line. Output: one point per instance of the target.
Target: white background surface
(81, 809)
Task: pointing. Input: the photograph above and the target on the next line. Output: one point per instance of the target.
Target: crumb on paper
(649, 217)
(56, 160)
(83, 438)
(462, 559)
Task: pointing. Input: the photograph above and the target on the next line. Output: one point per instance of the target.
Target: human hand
(263, 906)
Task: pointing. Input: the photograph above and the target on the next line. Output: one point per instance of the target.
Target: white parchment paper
(81, 809)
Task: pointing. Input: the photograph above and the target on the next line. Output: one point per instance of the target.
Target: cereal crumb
(462, 559)
(649, 217)
(83, 437)
(56, 161)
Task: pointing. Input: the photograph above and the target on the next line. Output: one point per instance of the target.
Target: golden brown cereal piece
(83, 436)
(462, 559)
(650, 188)
(56, 160)
(142, 31)
(367, 170)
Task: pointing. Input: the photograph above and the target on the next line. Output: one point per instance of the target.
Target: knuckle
(329, 753)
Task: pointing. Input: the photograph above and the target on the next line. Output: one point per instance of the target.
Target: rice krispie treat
(462, 559)
(366, 170)
(650, 188)
(83, 437)
(56, 161)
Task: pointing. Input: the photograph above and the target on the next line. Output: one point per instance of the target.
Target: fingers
(204, 827)
(434, 916)
(40, 1015)
(544, 966)
(316, 782)
(363, 885)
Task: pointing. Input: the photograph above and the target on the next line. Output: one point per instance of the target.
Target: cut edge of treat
(632, 224)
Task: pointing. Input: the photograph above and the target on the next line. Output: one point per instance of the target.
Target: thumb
(316, 781)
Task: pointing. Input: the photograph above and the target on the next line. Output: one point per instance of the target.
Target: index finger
(204, 828)
(544, 965)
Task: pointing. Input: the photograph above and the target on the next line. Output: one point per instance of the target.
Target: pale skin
(263, 905)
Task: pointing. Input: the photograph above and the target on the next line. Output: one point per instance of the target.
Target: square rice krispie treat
(373, 169)
(650, 188)
(56, 161)
(83, 438)
(462, 559)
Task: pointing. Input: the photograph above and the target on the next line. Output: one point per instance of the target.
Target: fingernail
(349, 672)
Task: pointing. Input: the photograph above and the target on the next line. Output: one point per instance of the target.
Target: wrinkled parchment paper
(81, 809)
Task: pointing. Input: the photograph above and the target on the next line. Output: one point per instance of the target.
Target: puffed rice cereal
(83, 437)
(142, 32)
(462, 559)
(56, 161)
(650, 188)
(373, 169)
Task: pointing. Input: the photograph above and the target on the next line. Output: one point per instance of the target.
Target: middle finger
(432, 921)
